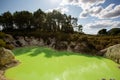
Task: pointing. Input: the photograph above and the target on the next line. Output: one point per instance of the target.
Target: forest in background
(26, 21)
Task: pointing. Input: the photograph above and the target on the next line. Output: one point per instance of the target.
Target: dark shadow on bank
(34, 51)
(51, 52)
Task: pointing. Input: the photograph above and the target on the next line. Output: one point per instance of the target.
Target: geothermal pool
(40, 63)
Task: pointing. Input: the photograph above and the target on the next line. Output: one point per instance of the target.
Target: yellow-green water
(39, 63)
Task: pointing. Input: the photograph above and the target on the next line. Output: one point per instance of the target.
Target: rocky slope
(81, 47)
(7, 60)
(112, 52)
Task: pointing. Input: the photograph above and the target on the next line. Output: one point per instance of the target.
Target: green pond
(40, 63)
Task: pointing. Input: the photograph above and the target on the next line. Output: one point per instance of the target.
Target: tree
(0, 22)
(67, 29)
(58, 18)
(54, 20)
(67, 24)
(74, 22)
(7, 21)
(23, 19)
(26, 21)
(71, 22)
(39, 19)
(80, 27)
(114, 31)
(102, 32)
(50, 22)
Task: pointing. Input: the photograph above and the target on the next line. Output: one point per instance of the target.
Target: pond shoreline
(6, 67)
(50, 60)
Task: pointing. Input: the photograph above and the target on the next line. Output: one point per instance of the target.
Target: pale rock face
(33, 41)
(71, 46)
(113, 52)
(22, 41)
(82, 47)
(7, 60)
(41, 42)
(8, 38)
(77, 48)
(61, 45)
(28, 41)
(15, 44)
(2, 77)
(52, 42)
(6, 56)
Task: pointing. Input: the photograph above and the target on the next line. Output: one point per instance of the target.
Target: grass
(40, 63)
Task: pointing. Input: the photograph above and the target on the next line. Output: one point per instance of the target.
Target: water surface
(39, 63)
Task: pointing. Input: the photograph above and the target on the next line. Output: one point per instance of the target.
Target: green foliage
(63, 37)
(82, 38)
(2, 35)
(114, 31)
(102, 32)
(39, 19)
(102, 42)
(80, 27)
(7, 20)
(1, 19)
(9, 46)
(74, 37)
(25, 21)
(2, 43)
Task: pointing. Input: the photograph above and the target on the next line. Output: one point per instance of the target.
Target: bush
(102, 32)
(83, 39)
(74, 37)
(63, 37)
(2, 43)
(2, 35)
(99, 47)
(9, 46)
(114, 31)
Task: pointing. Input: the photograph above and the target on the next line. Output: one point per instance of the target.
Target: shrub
(9, 46)
(74, 37)
(102, 32)
(2, 43)
(2, 35)
(114, 31)
(99, 47)
(82, 39)
(63, 37)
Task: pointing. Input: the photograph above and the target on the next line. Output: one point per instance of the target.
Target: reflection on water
(46, 64)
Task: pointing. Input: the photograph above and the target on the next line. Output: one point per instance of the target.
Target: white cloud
(93, 8)
(93, 28)
(110, 12)
(89, 7)
(100, 24)
(84, 4)
(61, 9)
(84, 14)
(94, 11)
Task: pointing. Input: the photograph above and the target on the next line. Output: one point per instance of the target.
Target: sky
(93, 15)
